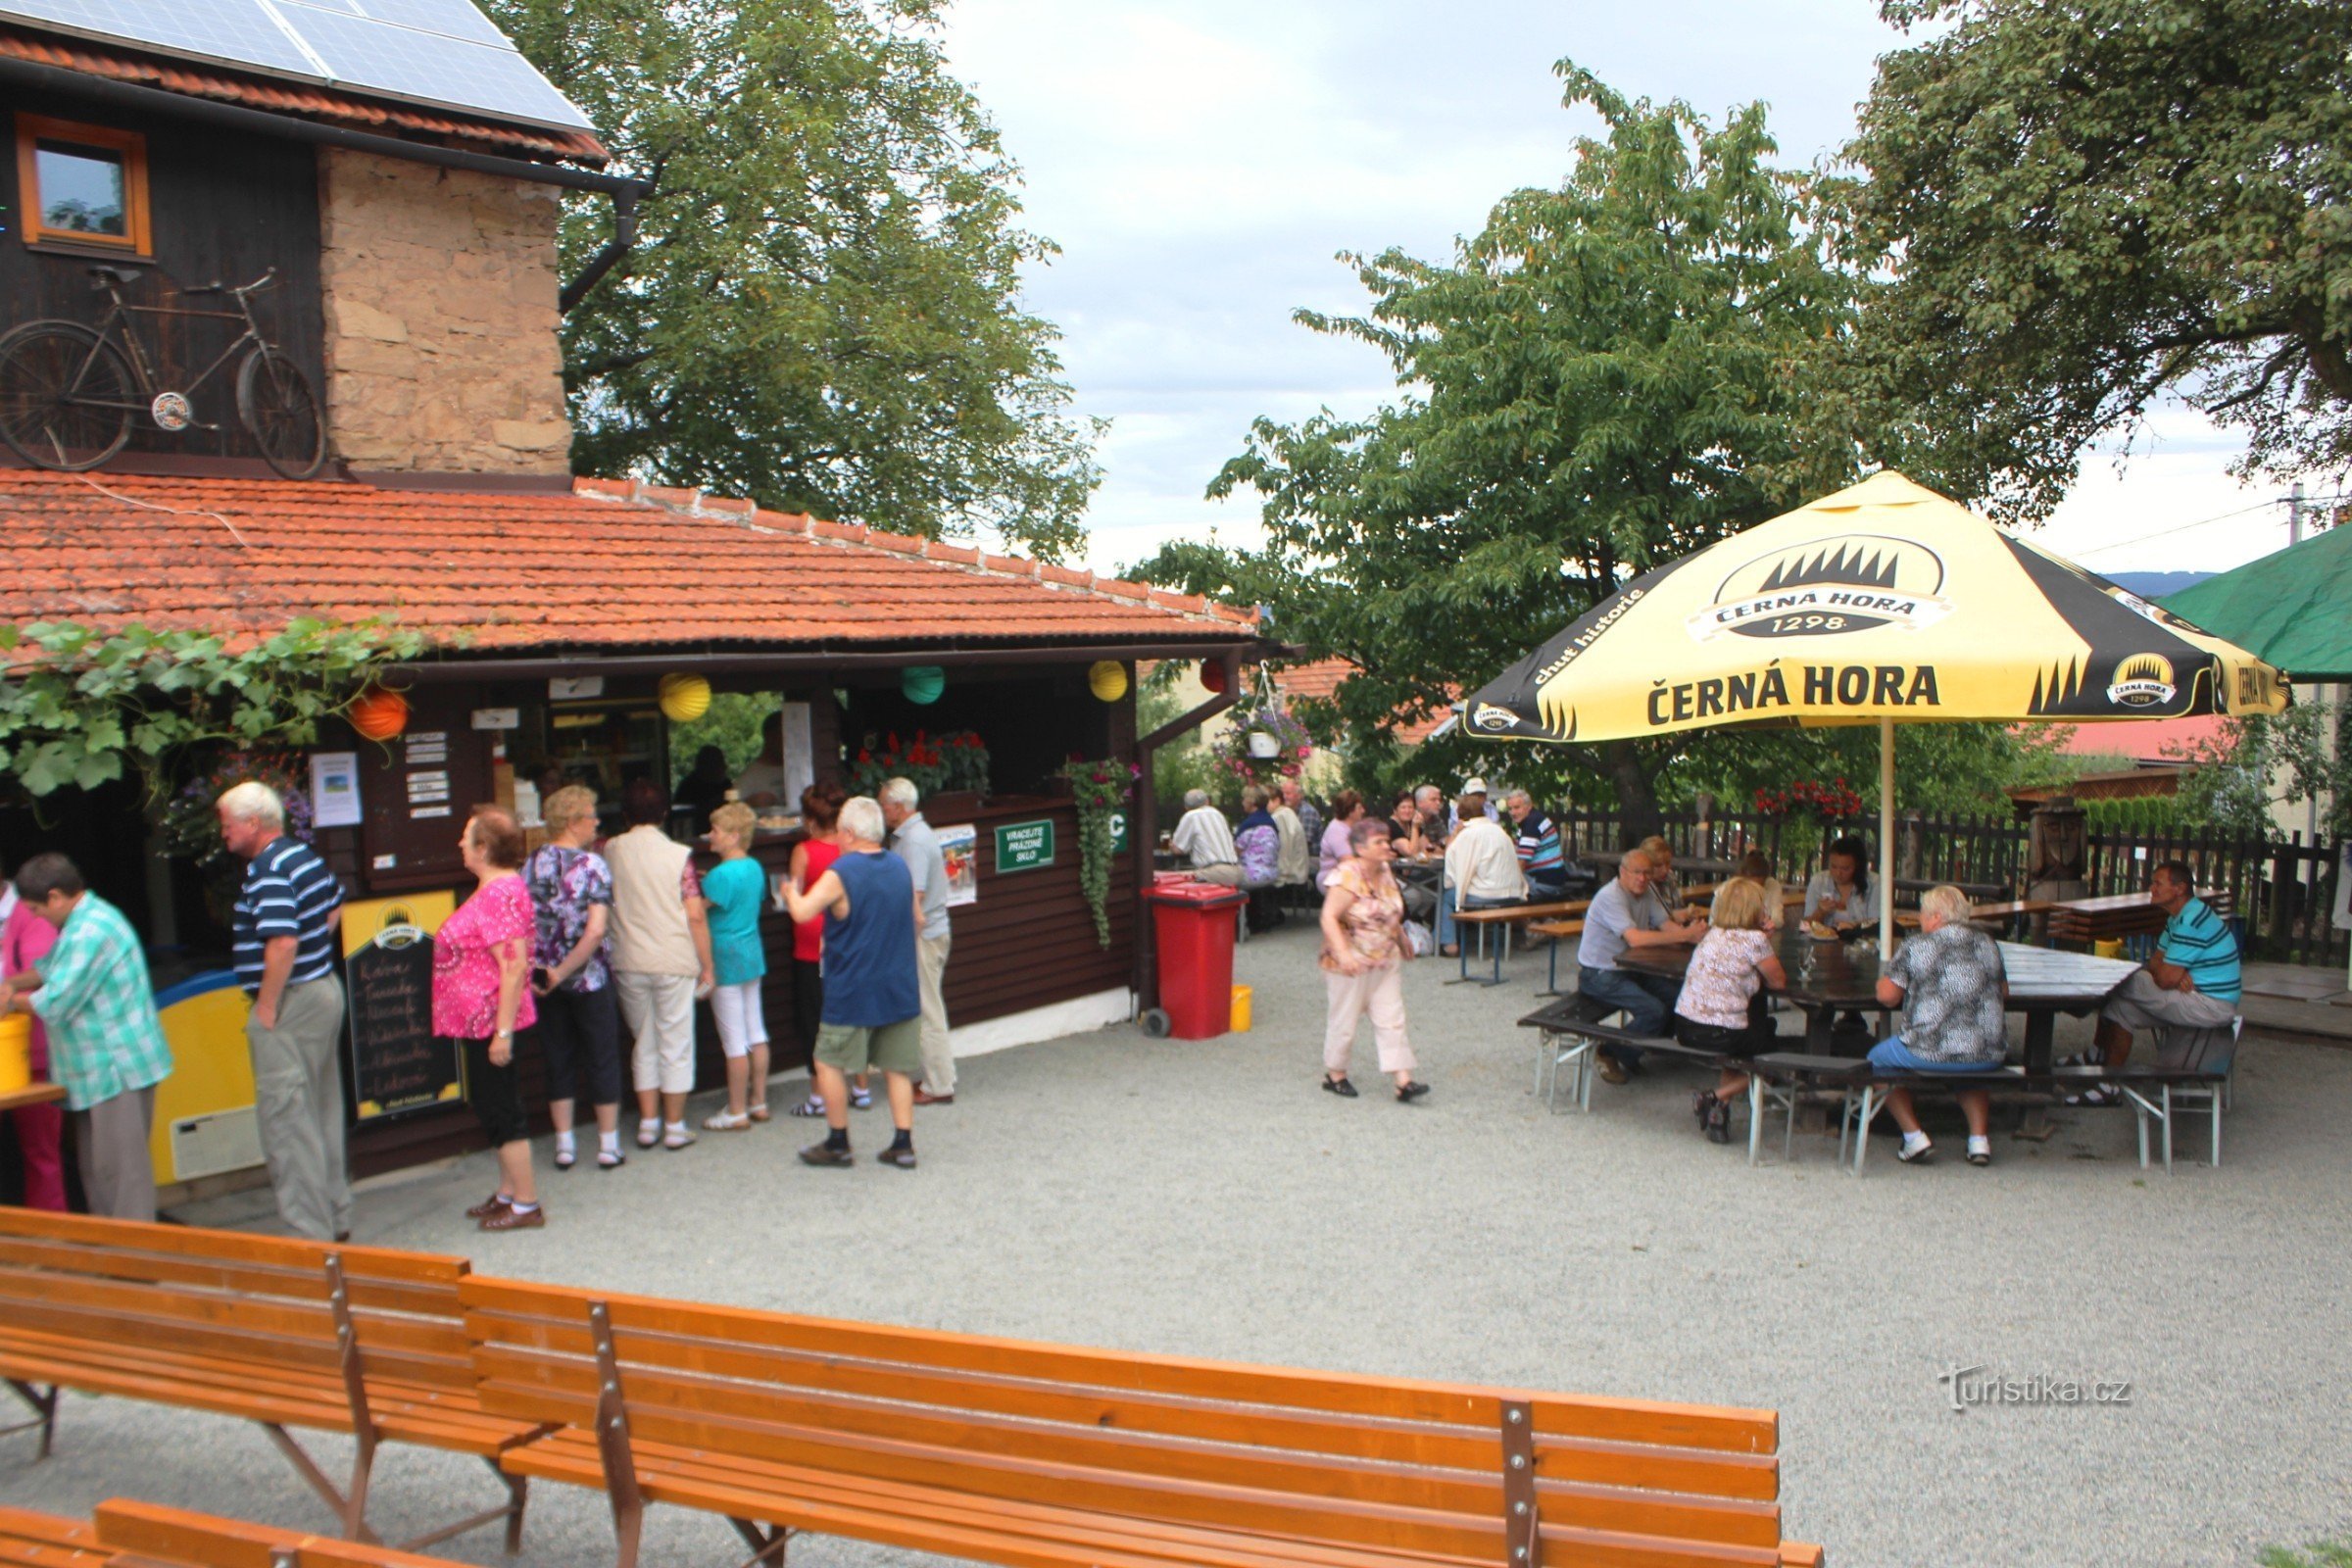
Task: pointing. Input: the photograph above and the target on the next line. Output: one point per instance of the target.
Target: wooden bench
(1507, 917)
(140, 1535)
(367, 1342)
(1036, 1456)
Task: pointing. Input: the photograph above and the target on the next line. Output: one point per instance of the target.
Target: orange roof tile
(1321, 679)
(601, 568)
(297, 98)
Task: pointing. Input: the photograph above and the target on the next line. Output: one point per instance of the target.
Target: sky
(1201, 163)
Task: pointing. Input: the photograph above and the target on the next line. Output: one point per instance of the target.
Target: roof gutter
(131, 96)
(430, 671)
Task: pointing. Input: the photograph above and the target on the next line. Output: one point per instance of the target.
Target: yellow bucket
(16, 1051)
(2108, 950)
(1239, 1022)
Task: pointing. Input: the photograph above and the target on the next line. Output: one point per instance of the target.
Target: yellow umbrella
(1885, 603)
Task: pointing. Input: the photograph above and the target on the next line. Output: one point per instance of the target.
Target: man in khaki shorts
(873, 1002)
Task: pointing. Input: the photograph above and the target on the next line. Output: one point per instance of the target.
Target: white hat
(1477, 786)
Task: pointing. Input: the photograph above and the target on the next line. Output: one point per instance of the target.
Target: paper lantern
(684, 698)
(1106, 678)
(1213, 674)
(379, 714)
(922, 683)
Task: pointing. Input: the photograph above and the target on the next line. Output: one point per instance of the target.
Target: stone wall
(439, 287)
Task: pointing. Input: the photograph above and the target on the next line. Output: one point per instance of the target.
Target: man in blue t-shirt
(873, 1005)
(2190, 986)
(286, 915)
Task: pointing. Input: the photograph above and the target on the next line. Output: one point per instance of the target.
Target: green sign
(1024, 846)
(1118, 833)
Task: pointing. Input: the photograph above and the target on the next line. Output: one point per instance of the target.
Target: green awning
(2292, 610)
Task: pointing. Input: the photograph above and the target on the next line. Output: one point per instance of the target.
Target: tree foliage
(1611, 374)
(823, 309)
(2086, 204)
(80, 707)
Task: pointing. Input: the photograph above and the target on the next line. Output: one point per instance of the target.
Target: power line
(2259, 506)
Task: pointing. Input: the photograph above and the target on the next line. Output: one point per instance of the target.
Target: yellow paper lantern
(1106, 678)
(684, 698)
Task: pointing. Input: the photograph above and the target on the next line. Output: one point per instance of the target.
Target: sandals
(860, 1098)
(610, 1159)
(649, 1133)
(1407, 1093)
(814, 1107)
(759, 1113)
(1340, 1087)
(2097, 1095)
(723, 1121)
(565, 1158)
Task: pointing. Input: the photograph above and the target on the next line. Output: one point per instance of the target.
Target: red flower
(865, 756)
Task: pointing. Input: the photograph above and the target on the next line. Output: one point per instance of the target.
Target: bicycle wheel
(282, 414)
(66, 395)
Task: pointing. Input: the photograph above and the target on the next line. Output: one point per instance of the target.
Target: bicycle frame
(114, 326)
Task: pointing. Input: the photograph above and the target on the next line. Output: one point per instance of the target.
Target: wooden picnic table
(1684, 865)
(1827, 978)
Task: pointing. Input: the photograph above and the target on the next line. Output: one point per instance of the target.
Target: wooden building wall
(224, 207)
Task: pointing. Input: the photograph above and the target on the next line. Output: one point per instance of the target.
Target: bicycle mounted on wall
(69, 392)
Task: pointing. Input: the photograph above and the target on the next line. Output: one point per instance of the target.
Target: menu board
(397, 1063)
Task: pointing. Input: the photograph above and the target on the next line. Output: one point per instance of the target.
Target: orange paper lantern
(379, 714)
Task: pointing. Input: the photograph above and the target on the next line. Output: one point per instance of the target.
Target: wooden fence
(2284, 889)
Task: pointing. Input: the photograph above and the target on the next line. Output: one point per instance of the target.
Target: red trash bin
(1193, 926)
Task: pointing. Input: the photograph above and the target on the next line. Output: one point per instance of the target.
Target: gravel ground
(1202, 1199)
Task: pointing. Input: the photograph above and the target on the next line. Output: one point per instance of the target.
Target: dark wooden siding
(223, 207)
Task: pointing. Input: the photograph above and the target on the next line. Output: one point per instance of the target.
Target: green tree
(2086, 204)
(1612, 373)
(823, 309)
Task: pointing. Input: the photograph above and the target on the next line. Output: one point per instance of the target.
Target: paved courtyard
(1205, 1199)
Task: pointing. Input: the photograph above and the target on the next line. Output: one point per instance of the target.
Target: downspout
(624, 235)
(1145, 841)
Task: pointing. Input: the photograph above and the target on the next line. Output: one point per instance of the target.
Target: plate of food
(1820, 932)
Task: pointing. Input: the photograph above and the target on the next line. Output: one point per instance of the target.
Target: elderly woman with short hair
(571, 973)
(1364, 951)
(1953, 991)
(1721, 1006)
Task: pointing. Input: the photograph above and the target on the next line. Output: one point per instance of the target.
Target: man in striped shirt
(2190, 986)
(1538, 845)
(286, 915)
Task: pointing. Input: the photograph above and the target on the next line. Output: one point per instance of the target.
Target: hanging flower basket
(1264, 746)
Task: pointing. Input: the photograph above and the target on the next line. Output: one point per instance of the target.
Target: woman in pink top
(25, 939)
(482, 956)
(1722, 1006)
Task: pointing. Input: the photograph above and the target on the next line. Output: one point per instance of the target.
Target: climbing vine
(80, 707)
(1099, 790)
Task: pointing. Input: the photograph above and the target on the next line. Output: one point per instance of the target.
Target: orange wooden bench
(29, 1539)
(139, 1534)
(1044, 1456)
(367, 1342)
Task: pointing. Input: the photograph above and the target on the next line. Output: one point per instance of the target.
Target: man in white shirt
(1482, 871)
(1204, 835)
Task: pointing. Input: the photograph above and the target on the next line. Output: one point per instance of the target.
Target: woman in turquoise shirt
(734, 890)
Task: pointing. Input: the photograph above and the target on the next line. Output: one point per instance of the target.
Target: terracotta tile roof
(2149, 741)
(610, 566)
(1321, 679)
(300, 98)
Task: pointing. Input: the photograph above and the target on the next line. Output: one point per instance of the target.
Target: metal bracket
(768, 1546)
(613, 1438)
(44, 1412)
(354, 1391)
(1522, 1522)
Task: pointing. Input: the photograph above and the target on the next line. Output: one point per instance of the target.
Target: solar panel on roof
(439, 52)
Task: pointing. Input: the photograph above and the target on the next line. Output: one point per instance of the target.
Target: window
(83, 185)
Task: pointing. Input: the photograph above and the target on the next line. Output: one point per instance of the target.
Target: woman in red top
(820, 807)
(25, 939)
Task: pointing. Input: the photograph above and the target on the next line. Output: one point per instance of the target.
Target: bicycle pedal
(171, 411)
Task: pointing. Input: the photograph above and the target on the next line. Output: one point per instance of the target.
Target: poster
(961, 847)
(334, 789)
(397, 1063)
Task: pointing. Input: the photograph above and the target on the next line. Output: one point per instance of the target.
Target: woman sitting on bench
(1722, 1006)
(1949, 982)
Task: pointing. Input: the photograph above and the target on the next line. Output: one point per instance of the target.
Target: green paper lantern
(921, 684)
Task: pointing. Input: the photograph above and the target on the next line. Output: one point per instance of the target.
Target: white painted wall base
(1072, 1017)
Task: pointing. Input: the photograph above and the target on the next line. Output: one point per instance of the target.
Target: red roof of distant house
(2150, 741)
(297, 98)
(609, 565)
(1321, 679)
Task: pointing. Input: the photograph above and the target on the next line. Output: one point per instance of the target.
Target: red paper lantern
(1213, 674)
(379, 714)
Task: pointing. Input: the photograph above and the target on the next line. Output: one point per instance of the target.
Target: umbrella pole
(1885, 838)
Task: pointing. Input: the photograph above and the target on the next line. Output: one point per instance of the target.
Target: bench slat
(359, 1262)
(508, 1311)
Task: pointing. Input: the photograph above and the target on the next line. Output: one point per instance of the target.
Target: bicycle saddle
(115, 275)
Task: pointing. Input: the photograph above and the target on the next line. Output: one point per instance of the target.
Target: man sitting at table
(1624, 914)
(1952, 985)
(2190, 986)
(1204, 835)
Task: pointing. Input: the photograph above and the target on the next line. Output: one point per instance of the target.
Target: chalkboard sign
(397, 1063)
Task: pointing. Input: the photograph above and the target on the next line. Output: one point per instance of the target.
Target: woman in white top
(1842, 897)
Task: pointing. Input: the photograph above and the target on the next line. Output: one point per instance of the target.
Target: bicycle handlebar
(257, 285)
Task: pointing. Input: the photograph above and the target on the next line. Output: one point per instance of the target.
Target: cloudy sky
(1202, 162)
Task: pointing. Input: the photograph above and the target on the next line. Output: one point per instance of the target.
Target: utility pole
(2294, 514)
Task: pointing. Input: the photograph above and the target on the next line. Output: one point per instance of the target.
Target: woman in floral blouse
(572, 974)
(1364, 949)
(482, 956)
